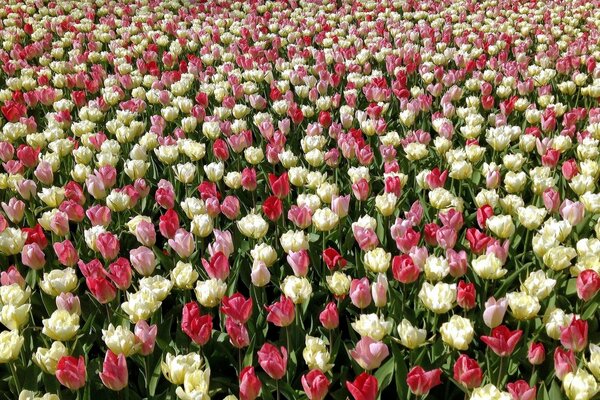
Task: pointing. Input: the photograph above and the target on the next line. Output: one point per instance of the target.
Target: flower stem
(13, 370)
(500, 372)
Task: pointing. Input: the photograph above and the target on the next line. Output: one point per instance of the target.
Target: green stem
(13, 370)
(500, 372)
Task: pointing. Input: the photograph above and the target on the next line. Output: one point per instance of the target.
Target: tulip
(575, 336)
(12, 276)
(32, 256)
(465, 295)
(145, 233)
(146, 336)
(143, 260)
(68, 302)
(333, 259)
(329, 317)
(71, 372)
(502, 341)
(360, 292)
(114, 373)
(494, 311)
(467, 372)
(108, 245)
(249, 384)
(168, 224)
(182, 243)
(238, 334)
(588, 284)
(99, 215)
(379, 290)
(281, 313)
(120, 273)
(280, 185)
(218, 267)
(404, 269)
(536, 353)
(420, 382)
(273, 361)
(520, 390)
(315, 385)
(369, 354)
(198, 327)
(273, 208)
(564, 362)
(364, 387)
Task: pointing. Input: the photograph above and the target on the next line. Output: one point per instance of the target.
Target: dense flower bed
(299, 199)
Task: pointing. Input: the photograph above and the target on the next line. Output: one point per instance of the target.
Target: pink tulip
(273, 360)
(360, 292)
(15, 209)
(12, 276)
(230, 207)
(572, 211)
(143, 260)
(249, 384)
(71, 372)
(69, 302)
(315, 385)
(340, 205)
(237, 307)
(299, 261)
(520, 390)
(108, 245)
(329, 317)
(238, 334)
(494, 311)
(145, 233)
(146, 336)
(99, 215)
(575, 336)
(183, 243)
(379, 290)
(588, 284)
(369, 354)
(536, 353)
(33, 256)
(551, 199)
(114, 373)
(217, 267)
(282, 312)
(564, 362)
(421, 382)
(44, 173)
(66, 253)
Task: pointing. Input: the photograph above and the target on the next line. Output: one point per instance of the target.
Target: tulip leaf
(384, 374)
(400, 371)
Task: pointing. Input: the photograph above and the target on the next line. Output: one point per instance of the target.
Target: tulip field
(299, 199)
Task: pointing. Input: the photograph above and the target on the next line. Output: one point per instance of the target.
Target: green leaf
(384, 374)
(400, 371)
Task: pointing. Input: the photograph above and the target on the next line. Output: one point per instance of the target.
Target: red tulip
(467, 372)
(114, 373)
(282, 312)
(364, 387)
(108, 245)
(465, 295)
(333, 259)
(404, 269)
(329, 317)
(503, 341)
(536, 353)
(249, 384)
(272, 208)
(168, 224)
(280, 185)
(218, 267)
(237, 307)
(101, 288)
(315, 385)
(249, 179)
(588, 284)
(238, 334)
(198, 327)
(575, 336)
(71, 372)
(478, 240)
(273, 360)
(421, 382)
(520, 390)
(120, 273)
